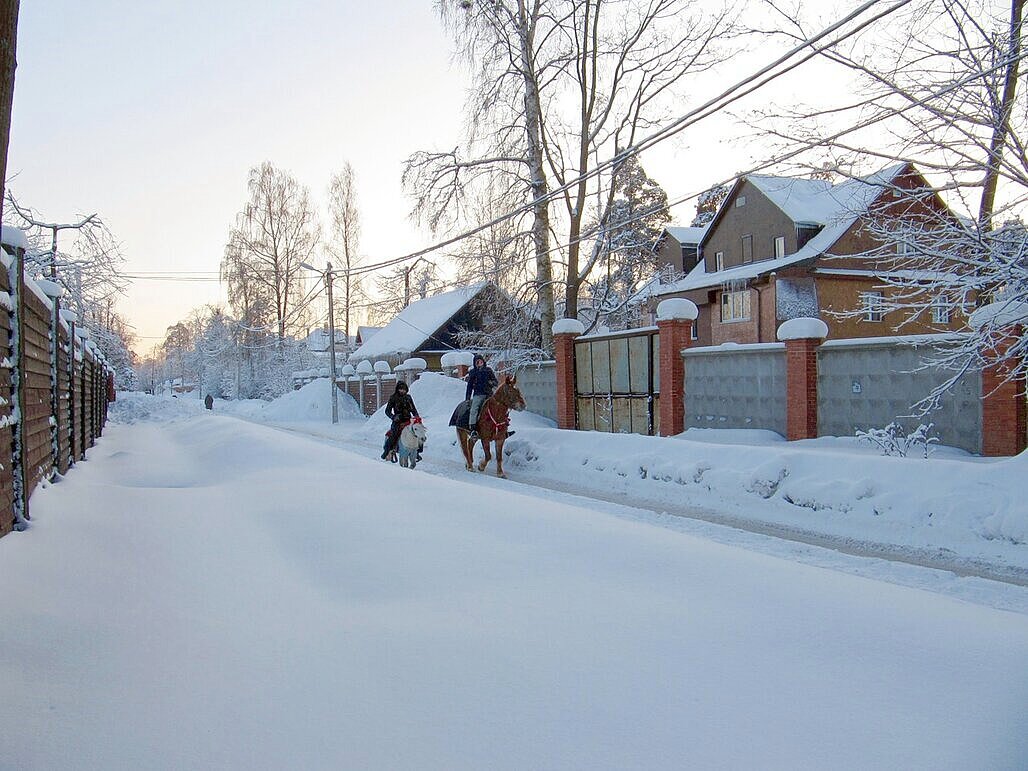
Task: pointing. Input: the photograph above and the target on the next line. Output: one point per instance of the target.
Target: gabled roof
(413, 327)
(834, 209)
(685, 235)
(365, 333)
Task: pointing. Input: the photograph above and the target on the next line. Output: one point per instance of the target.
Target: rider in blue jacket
(481, 383)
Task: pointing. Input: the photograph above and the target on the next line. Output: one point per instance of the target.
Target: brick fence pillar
(675, 318)
(1004, 409)
(1002, 324)
(802, 338)
(565, 332)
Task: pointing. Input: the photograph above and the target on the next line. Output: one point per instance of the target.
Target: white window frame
(735, 306)
(942, 310)
(778, 246)
(719, 261)
(874, 306)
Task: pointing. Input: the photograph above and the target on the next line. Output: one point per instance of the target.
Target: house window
(874, 306)
(747, 248)
(719, 260)
(740, 201)
(735, 306)
(904, 248)
(694, 333)
(940, 310)
(779, 246)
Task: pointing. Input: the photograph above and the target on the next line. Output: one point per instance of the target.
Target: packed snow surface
(211, 593)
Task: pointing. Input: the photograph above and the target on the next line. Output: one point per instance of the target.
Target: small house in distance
(428, 328)
(678, 248)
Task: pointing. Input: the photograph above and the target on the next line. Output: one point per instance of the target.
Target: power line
(738, 90)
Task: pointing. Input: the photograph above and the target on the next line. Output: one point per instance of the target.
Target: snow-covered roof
(835, 207)
(365, 333)
(414, 326)
(686, 235)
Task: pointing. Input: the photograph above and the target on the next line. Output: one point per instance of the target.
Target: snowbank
(312, 402)
(135, 407)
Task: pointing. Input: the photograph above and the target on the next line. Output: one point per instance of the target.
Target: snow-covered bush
(894, 441)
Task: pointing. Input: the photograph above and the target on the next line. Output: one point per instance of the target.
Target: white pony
(412, 442)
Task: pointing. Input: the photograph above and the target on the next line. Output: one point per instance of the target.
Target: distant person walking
(481, 383)
(209, 402)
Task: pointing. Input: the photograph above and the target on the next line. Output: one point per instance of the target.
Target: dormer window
(740, 201)
(747, 248)
(779, 246)
(719, 261)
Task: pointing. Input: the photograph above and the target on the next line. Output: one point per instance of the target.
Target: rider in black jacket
(400, 409)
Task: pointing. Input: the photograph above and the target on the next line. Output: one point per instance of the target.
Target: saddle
(460, 416)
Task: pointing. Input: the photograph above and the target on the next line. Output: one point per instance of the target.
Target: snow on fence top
(803, 329)
(457, 359)
(1003, 313)
(567, 327)
(365, 368)
(51, 289)
(14, 237)
(382, 367)
(677, 308)
(347, 370)
(415, 363)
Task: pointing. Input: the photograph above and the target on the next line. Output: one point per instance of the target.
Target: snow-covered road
(209, 593)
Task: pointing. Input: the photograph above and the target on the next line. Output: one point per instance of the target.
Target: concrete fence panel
(866, 384)
(736, 386)
(538, 384)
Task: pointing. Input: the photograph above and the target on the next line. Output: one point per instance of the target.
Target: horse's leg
(462, 437)
(488, 456)
(499, 458)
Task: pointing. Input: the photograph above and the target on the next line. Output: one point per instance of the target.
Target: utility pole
(332, 346)
(406, 279)
(331, 338)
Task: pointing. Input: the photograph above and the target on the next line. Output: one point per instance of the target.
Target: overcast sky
(152, 114)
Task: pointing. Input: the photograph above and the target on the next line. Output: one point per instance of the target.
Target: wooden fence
(54, 389)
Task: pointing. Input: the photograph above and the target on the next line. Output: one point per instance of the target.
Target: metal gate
(617, 382)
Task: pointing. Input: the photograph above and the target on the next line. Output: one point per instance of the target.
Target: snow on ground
(951, 509)
(211, 593)
(971, 508)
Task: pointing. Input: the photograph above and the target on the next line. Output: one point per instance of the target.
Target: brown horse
(493, 421)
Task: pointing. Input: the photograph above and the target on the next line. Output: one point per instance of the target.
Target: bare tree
(344, 245)
(511, 44)
(939, 88)
(89, 269)
(275, 232)
(401, 286)
(562, 85)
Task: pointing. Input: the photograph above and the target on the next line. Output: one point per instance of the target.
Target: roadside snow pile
(313, 402)
(436, 395)
(133, 407)
(973, 506)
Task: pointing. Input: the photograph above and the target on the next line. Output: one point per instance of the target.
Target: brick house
(780, 248)
(678, 248)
